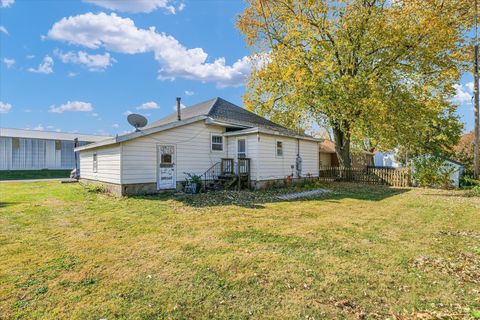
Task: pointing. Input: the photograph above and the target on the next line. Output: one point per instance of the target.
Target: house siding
(108, 164)
(271, 166)
(251, 141)
(193, 152)
(309, 154)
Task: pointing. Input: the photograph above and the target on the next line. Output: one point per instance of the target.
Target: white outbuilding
(22, 149)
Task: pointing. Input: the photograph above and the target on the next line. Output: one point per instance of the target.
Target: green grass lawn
(358, 252)
(33, 174)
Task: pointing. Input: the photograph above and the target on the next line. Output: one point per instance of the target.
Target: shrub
(195, 178)
(96, 188)
(433, 172)
(468, 182)
(473, 192)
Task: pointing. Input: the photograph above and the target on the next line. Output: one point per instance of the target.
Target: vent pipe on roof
(179, 107)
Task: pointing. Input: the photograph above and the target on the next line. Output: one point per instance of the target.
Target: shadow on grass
(257, 199)
(7, 204)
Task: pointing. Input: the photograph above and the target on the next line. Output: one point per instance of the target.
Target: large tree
(376, 71)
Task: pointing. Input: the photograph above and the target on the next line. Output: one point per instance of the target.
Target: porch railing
(227, 166)
(243, 166)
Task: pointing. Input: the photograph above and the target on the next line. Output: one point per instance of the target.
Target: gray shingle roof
(224, 111)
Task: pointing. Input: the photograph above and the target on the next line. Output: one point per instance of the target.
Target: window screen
(217, 143)
(242, 148)
(279, 149)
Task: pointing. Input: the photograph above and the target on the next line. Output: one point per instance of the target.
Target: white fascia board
(141, 133)
(270, 132)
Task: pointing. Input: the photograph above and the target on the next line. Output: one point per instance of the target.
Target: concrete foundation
(120, 190)
(136, 189)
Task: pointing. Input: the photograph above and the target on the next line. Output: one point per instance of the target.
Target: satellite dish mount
(137, 121)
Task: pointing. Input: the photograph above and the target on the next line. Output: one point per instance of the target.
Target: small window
(241, 148)
(279, 149)
(217, 143)
(95, 162)
(166, 158)
(58, 145)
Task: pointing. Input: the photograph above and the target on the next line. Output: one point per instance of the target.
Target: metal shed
(22, 149)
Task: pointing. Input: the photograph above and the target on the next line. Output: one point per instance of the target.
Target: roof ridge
(215, 100)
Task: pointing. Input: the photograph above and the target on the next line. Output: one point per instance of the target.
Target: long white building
(34, 150)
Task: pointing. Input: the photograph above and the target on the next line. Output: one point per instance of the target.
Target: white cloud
(45, 67)
(3, 29)
(72, 106)
(115, 126)
(39, 127)
(9, 62)
(182, 106)
(6, 3)
(5, 107)
(72, 74)
(94, 62)
(95, 115)
(128, 112)
(463, 93)
(119, 34)
(189, 93)
(138, 5)
(30, 56)
(148, 105)
(469, 85)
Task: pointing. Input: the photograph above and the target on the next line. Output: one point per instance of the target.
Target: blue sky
(82, 66)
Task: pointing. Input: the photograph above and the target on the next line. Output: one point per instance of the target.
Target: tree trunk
(342, 147)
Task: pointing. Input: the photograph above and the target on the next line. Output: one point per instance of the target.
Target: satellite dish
(137, 121)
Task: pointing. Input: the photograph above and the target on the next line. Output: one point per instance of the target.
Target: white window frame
(95, 162)
(276, 148)
(211, 142)
(246, 148)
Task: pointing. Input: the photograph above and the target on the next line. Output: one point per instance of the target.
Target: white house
(35, 150)
(386, 159)
(210, 139)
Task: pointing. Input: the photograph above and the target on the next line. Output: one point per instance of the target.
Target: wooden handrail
(227, 165)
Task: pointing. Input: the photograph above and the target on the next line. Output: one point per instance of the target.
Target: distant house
(386, 159)
(458, 171)
(214, 139)
(35, 150)
(328, 156)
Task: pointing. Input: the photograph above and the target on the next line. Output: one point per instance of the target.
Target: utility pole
(476, 156)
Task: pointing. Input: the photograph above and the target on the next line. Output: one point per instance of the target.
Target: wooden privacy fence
(397, 177)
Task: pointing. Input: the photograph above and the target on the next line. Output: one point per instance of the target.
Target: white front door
(167, 178)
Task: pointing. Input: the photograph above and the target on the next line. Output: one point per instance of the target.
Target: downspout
(298, 160)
